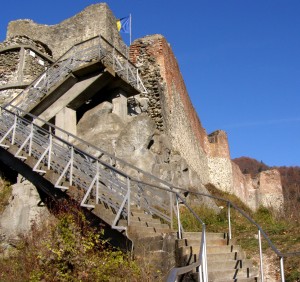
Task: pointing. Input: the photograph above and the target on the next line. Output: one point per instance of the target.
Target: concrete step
(195, 277)
(196, 242)
(250, 279)
(228, 264)
(209, 235)
(189, 258)
(232, 274)
(210, 249)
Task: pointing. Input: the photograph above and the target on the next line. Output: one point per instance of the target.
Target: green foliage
(5, 193)
(68, 250)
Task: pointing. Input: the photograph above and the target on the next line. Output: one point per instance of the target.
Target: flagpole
(129, 29)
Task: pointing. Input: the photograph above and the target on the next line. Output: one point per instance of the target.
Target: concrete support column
(120, 104)
(66, 119)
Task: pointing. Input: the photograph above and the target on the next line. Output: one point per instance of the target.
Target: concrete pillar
(66, 119)
(120, 104)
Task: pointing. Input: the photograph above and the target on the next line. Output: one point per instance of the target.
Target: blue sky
(239, 59)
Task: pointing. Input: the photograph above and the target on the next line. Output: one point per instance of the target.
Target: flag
(123, 25)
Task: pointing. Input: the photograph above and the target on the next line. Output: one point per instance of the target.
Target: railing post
(171, 208)
(50, 149)
(229, 222)
(14, 131)
(178, 218)
(260, 257)
(97, 183)
(282, 270)
(204, 259)
(30, 140)
(71, 165)
(128, 201)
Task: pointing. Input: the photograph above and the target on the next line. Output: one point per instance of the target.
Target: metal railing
(100, 178)
(101, 182)
(91, 50)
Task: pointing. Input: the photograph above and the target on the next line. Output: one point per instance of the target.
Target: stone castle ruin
(140, 114)
(157, 131)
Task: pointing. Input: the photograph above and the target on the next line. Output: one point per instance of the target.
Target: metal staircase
(91, 51)
(139, 207)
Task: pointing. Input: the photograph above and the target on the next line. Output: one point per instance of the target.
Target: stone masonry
(93, 21)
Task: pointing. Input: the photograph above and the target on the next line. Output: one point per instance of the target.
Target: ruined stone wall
(9, 66)
(21, 61)
(179, 119)
(94, 20)
(219, 163)
(263, 190)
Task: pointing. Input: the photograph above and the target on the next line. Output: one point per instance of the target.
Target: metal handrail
(95, 48)
(160, 184)
(49, 144)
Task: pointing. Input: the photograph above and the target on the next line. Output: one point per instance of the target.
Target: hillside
(290, 177)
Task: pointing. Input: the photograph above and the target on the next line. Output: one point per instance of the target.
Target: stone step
(232, 274)
(209, 249)
(196, 242)
(209, 235)
(239, 278)
(213, 265)
(250, 279)
(182, 260)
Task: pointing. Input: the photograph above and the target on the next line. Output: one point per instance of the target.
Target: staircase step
(228, 264)
(239, 278)
(209, 235)
(210, 249)
(231, 274)
(196, 242)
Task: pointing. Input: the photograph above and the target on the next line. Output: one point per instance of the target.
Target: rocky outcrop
(24, 210)
(136, 140)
